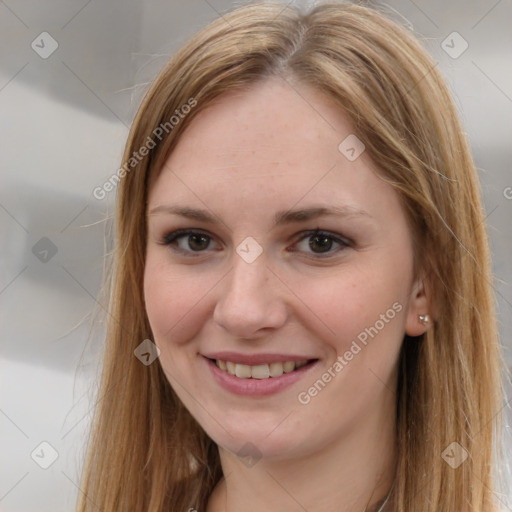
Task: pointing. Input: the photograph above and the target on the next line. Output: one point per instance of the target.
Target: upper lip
(255, 359)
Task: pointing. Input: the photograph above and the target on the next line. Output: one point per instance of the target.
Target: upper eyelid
(178, 233)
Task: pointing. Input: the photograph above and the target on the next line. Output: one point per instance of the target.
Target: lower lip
(257, 387)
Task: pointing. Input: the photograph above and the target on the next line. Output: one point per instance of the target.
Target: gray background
(64, 122)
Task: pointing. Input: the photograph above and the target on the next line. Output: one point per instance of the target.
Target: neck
(353, 474)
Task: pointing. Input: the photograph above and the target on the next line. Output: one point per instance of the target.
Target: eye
(321, 242)
(193, 241)
(188, 242)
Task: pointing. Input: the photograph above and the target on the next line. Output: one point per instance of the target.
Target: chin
(263, 441)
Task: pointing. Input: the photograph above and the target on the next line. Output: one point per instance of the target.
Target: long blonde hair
(145, 451)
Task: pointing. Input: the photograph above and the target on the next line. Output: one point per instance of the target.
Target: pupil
(326, 241)
(194, 239)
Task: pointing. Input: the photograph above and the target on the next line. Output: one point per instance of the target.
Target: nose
(251, 299)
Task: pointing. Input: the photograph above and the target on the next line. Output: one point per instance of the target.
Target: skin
(250, 154)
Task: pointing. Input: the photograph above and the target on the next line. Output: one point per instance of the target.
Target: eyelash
(170, 238)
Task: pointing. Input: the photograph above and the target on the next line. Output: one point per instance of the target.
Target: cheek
(172, 297)
(367, 316)
(354, 302)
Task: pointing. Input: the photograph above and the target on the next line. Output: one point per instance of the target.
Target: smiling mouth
(260, 371)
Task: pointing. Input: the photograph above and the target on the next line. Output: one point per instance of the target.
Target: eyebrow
(280, 218)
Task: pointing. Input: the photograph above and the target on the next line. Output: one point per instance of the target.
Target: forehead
(269, 119)
(273, 144)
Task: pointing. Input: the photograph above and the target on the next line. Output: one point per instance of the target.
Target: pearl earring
(424, 319)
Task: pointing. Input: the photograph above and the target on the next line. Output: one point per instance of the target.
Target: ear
(421, 304)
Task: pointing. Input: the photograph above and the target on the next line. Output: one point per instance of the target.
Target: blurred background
(72, 73)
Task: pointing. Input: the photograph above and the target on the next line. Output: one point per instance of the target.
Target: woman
(246, 369)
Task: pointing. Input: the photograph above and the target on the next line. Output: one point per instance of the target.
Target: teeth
(289, 366)
(243, 371)
(259, 371)
(276, 369)
(231, 367)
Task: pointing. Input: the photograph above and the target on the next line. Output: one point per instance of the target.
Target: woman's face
(255, 288)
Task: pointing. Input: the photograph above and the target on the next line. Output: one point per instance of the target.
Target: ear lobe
(420, 306)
